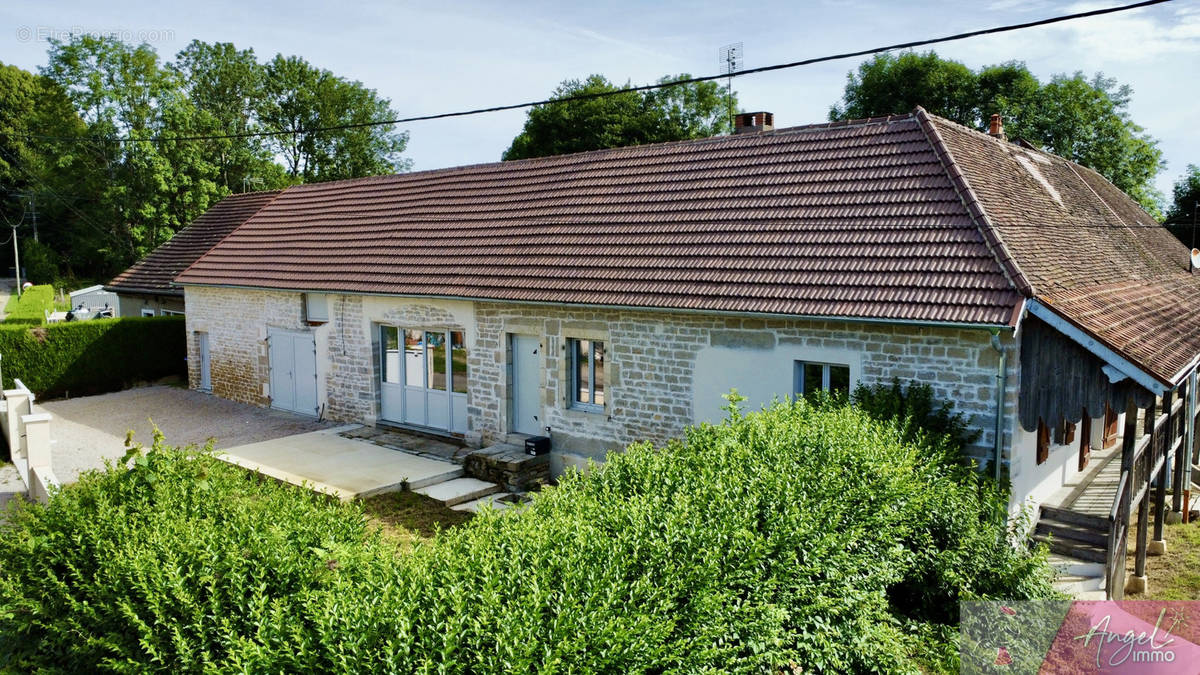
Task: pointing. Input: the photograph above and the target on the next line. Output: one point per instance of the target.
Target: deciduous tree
(1083, 119)
(672, 113)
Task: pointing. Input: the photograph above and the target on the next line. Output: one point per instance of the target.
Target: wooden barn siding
(1059, 378)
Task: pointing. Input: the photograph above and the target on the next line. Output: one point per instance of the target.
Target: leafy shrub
(797, 535)
(31, 307)
(178, 563)
(87, 357)
(40, 261)
(920, 417)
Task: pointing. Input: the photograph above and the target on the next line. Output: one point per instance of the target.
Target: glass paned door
(426, 383)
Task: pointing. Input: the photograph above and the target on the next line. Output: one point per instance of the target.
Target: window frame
(826, 376)
(148, 311)
(573, 402)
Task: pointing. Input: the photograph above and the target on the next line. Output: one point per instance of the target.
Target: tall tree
(225, 85)
(1085, 120)
(1184, 211)
(40, 166)
(298, 96)
(671, 113)
(150, 189)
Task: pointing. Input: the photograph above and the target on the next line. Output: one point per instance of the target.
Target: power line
(641, 88)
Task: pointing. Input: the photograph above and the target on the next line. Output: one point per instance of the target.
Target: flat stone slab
(498, 501)
(344, 467)
(407, 442)
(459, 490)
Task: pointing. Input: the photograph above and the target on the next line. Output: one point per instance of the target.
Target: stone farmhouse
(613, 296)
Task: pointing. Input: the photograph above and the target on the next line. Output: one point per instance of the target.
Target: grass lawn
(1175, 575)
(407, 517)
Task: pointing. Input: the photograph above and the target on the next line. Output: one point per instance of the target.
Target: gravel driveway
(86, 431)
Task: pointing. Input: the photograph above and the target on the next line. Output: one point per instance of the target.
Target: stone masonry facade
(649, 371)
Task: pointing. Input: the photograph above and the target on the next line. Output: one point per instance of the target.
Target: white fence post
(37, 454)
(18, 405)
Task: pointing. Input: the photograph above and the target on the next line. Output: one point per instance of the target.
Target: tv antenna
(731, 62)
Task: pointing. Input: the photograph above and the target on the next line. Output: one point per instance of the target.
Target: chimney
(996, 128)
(748, 123)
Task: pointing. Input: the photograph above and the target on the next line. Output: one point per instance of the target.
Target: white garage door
(293, 358)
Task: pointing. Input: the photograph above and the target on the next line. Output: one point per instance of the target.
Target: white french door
(423, 377)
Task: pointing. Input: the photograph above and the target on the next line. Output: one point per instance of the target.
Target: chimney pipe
(996, 128)
(748, 123)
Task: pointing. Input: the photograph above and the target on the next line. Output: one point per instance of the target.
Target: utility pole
(33, 209)
(17, 261)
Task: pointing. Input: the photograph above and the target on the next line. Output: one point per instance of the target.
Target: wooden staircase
(1072, 534)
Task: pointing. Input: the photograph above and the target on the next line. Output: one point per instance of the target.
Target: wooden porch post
(1177, 467)
(1143, 522)
(1158, 546)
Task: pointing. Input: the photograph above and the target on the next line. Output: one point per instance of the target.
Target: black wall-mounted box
(537, 445)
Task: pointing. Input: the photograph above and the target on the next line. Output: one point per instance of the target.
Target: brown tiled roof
(1066, 225)
(1085, 248)
(1151, 323)
(155, 272)
(844, 219)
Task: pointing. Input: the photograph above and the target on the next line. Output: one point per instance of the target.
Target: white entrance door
(205, 362)
(293, 361)
(524, 381)
(423, 377)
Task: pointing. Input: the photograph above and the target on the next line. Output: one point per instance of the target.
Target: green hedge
(801, 538)
(88, 357)
(31, 307)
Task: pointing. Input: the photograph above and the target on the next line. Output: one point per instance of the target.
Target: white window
(812, 377)
(316, 307)
(586, 365)
(147, 311)
(171, 312)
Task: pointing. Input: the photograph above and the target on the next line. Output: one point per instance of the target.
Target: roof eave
(134, 290)
(1009, 326)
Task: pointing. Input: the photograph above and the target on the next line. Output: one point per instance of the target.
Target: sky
(432, 57)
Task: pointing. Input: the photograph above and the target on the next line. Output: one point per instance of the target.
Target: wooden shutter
(1043, 442)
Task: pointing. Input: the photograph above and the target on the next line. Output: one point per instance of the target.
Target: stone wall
(663, 371)
(237, 321)
(660, 367)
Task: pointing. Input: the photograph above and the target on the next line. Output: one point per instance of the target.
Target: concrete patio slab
(347, 468)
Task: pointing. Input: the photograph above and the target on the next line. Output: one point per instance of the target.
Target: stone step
(1072, 532)
(1074, 549)
(1075, 567)
(499, 501)
(507, 464)
(425, 481)
(459, 490)
(1074, 585)
(1074, 517)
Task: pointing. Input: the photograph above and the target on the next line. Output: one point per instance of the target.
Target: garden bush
(31, 307)
(920, 416)
(798, 538)
(88, 357)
